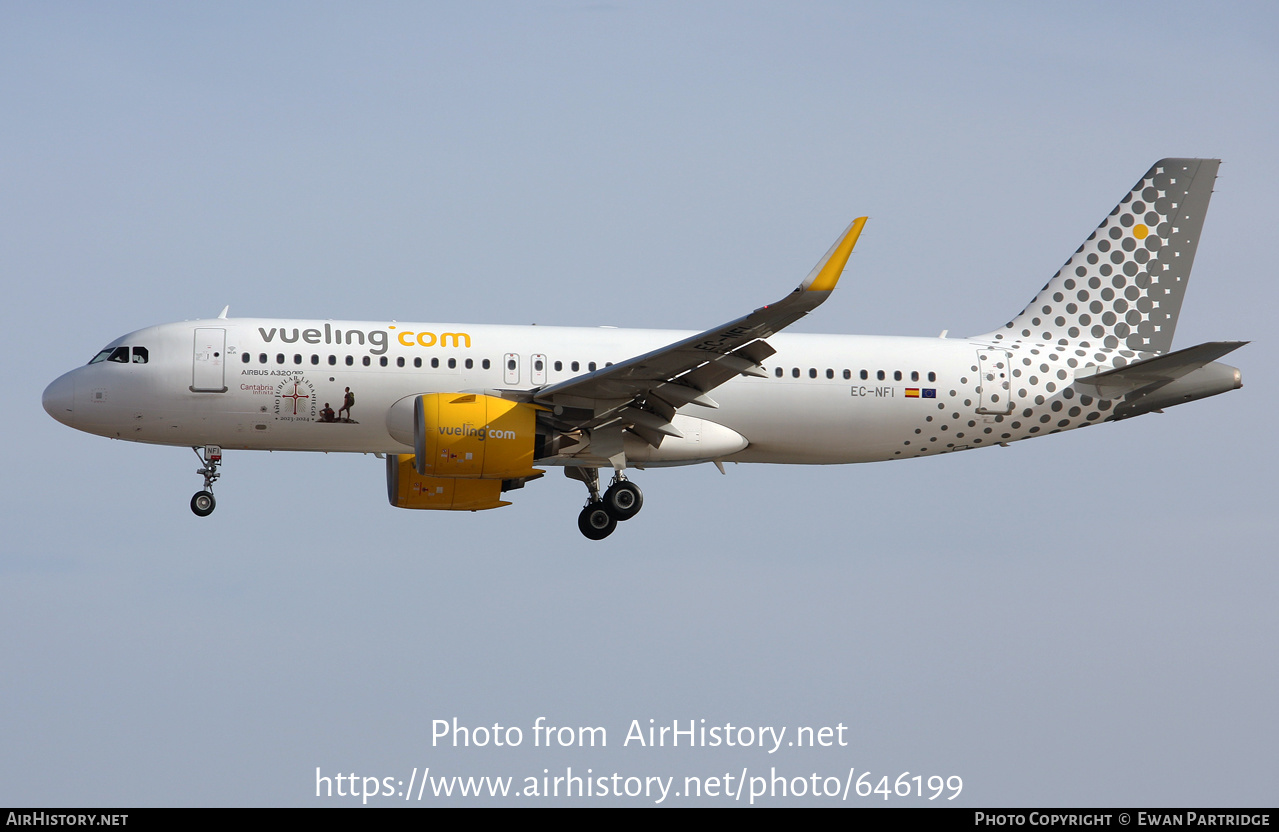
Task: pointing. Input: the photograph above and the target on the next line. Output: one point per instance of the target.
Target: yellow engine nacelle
(406, 488)
(471, 436)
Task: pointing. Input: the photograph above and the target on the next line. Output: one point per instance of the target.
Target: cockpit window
(121, 355)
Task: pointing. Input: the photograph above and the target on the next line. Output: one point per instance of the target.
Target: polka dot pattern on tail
(1124, 286)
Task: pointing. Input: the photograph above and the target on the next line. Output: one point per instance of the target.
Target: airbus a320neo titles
(463, 414)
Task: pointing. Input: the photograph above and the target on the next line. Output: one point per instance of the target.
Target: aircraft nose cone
(59, 398)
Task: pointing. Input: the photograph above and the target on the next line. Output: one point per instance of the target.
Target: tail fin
(1124, 286)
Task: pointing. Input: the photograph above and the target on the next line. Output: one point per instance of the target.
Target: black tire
(595, 522)
(623, 500)
(203, 503)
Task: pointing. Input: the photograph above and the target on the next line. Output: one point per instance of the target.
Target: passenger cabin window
(246, 358)
(485, 364)
(865, 375)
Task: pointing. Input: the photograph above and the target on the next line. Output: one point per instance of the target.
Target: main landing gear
(203, 503)
(621, 501)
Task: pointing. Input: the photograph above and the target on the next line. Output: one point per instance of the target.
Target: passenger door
(209, 361)
(994, 382)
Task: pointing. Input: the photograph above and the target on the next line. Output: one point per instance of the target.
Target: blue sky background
(1088, 619)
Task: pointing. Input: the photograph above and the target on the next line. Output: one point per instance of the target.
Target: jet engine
(468, 449)
(406, 488)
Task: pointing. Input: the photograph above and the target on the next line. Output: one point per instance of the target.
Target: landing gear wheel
(203, 503)
(595, 522)
(623, 500)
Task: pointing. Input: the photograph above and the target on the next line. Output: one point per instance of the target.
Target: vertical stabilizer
(1124, 286)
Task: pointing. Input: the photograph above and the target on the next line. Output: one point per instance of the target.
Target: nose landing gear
(620, 502)
(202, 504)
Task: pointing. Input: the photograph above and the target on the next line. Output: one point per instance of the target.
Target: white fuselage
(260, 384)
(464, 413)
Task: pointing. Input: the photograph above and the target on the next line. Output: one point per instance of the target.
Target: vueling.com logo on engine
(481, 434)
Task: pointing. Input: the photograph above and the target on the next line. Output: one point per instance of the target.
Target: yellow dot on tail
(1140, 231)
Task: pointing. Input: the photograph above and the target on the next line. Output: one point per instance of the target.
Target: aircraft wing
(641, 394)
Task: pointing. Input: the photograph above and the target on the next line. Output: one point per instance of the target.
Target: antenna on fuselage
(222, 314)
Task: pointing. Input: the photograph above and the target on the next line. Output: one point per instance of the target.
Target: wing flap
(644, 419)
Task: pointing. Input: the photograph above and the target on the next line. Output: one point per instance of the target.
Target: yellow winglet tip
(826, 275)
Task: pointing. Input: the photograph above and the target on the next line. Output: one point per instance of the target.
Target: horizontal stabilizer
(1152, 372)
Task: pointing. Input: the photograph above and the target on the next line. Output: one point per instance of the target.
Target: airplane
(463, 414)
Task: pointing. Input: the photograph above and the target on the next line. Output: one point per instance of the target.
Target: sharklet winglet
(826, 273)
